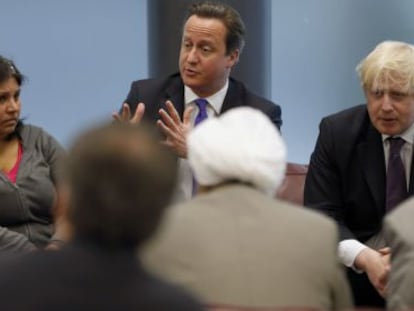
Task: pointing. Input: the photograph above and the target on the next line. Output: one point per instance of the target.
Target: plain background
(80, 57)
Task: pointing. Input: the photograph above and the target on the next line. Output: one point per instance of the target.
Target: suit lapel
(234, 96)
(411, 182)
(373, 164)
(175, 93)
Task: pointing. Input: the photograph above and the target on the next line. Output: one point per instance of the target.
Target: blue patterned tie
(396, 179)
(201, 116)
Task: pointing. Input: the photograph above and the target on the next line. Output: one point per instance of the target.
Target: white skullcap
(242, 144)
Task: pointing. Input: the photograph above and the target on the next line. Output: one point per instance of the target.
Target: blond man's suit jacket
(237, 246)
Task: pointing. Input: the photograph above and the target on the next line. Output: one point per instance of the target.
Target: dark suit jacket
(346, 177)
(154, 92)
(85, 277)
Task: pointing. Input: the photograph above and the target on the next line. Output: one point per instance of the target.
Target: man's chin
(389, 130)
(189, 80)
(191, 83)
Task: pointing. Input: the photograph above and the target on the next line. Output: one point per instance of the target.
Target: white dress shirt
(185, 177)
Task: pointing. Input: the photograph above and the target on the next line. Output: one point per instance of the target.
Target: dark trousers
(365, 295)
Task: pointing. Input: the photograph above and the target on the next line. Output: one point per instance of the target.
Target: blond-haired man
(352, 163)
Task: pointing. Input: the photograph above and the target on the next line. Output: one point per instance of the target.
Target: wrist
(363, 258)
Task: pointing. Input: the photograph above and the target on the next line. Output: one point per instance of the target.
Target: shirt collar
(407, 135)
(216, 100)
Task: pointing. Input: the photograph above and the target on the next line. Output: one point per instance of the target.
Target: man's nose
(387, 102)
(192, 55)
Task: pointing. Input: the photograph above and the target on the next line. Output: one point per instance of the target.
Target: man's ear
(233, 58)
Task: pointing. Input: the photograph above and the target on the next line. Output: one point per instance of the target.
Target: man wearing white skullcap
(242, 145)
(234, 244)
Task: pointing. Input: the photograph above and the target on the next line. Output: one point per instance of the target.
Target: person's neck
(8, 153)
(5, 143)
(205, 189)
(204, 93)
(209, 91)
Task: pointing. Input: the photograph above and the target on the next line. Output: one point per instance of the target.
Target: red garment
(12, 174)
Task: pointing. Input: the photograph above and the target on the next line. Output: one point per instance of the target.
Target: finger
(187, 115)
(174, 145)
(116, 117)
(166, 130)
(166, 143)
(385, 251)
(126, 112)
(167, 120)
(173, 112)
(379, 287)
(139, 113)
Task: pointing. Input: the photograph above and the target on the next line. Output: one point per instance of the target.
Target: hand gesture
(125, 115)
(174, 129)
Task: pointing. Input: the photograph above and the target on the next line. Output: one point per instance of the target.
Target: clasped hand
(376, 264)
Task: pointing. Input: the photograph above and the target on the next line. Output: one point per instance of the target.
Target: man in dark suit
(110, 203)
(212, 41)
(349, 166)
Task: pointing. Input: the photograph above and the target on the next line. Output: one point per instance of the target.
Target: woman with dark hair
(28, 171)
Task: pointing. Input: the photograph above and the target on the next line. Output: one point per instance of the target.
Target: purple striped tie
(202, 110)
(396, 179)
(201, 116)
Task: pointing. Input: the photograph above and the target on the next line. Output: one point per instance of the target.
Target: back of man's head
(120, 179)
(240, 145)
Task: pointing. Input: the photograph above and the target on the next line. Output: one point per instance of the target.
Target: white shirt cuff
(348, 250)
